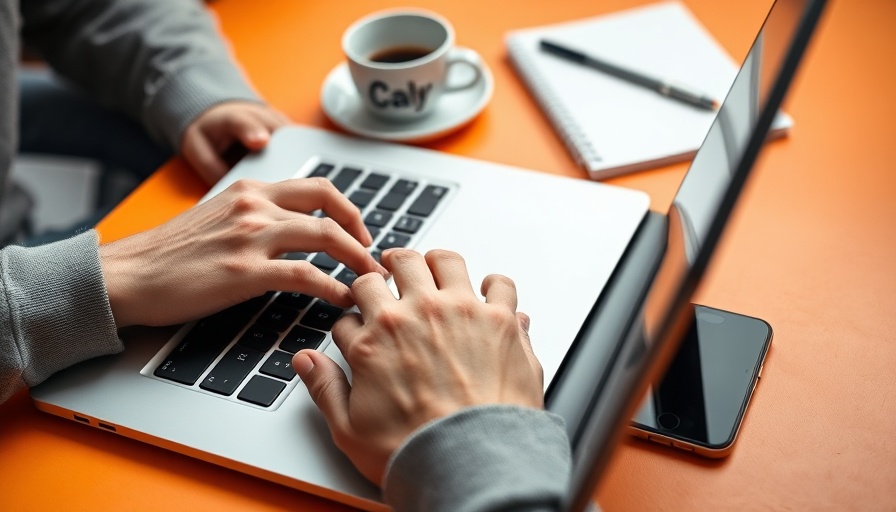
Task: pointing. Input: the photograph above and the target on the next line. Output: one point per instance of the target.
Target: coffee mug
(400, 61)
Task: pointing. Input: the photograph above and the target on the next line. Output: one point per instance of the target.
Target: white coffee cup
(400, 62)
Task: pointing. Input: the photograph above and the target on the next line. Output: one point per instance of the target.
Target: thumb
(327, 385)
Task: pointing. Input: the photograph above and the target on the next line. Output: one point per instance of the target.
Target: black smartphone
(699, 404)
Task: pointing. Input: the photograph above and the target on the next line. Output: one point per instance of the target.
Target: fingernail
(302, 364)
(258, 135)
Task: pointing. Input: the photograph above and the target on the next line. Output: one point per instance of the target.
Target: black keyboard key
(322, 170)
(294, 300)
(374, 181)
(300, 338)
(408, 224)
(230, 371)
(428, 200)
(393, 240)
(374, 231)
(277, 317)
(324, 262)
(377, 255)
(259, 337)
(391, 201)
(279, 364)
(321, 316)
(377, 218)
(345, 177)
(195, 352)
(403, 187)
(346, 276)
(295, 256)
(361, 198)
(261, 391)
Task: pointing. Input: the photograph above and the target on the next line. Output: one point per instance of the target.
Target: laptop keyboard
(244, 353)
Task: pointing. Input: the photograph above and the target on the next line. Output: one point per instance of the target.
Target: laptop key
(377, 218)
(346, 276)
(408, 224)
(345, 177)
(427, 201)
(321, 316)
(361, 198)
(259, 337)
(374, 231)
(324, 262)
(294, 300)
(279, 364)
(230, 371)
(403, 187)
(322, 170)
(195, 352)
(277, 317)
(393, 240)
(261, 391)
(391, 201)
(300, 338)
(374, 181)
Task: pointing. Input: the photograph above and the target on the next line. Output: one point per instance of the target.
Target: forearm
(53, 311)
(160, 61)
(487, 458)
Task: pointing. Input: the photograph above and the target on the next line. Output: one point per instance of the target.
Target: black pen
(675, 91)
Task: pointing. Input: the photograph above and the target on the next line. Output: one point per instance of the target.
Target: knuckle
(304, 271)
(400, 254)
(329, 230)
(501, 279)
(443, 255)
(365, 280)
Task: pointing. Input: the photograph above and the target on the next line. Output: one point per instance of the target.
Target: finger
(327, 386)
(310, 234)
(523, 321)
(247, 128)
(198, 151)
(346, 330)
(303, 277)
(371, 294)
(449, 271)
(309, 194)
(499, 289)
(409, 271)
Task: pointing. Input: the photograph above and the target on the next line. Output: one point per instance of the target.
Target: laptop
(583, 255)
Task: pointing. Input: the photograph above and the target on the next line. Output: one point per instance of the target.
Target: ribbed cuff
(495, 457)
(192, 91)
(57, 305)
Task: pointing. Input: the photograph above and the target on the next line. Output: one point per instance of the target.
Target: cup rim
(386, 13)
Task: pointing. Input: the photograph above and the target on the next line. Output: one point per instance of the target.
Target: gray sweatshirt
(161, 62)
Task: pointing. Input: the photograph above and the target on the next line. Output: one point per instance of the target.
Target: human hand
(212, 133)
(434, 351)
(227, 250)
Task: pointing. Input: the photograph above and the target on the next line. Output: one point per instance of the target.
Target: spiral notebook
(612, 126)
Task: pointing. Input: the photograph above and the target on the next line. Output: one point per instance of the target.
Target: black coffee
(400, 54)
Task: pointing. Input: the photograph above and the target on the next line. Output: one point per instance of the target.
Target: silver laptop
(220, 389)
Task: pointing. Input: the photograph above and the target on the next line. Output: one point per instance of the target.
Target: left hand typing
(215, 130)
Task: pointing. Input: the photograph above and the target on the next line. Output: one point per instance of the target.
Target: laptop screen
(694, 224)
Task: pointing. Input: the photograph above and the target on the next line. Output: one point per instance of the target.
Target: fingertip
(524, 321)
(302, 364)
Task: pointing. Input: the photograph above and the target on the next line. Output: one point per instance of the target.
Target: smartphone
(699, 404)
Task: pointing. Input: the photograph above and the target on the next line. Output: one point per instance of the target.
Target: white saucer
(344, 107)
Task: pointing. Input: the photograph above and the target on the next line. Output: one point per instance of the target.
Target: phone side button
(683, 447)
(660, 440)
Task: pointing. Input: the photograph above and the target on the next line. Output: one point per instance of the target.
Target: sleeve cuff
(57, 306)
(495, 457)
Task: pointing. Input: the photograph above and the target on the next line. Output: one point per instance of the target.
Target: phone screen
(703, 395)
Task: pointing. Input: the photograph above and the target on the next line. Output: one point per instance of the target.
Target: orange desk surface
(811, 249)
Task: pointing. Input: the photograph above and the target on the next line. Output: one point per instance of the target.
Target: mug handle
(468, 57)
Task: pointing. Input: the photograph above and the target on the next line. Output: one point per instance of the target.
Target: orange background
(811, 249)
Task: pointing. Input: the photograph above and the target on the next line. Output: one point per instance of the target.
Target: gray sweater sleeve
(160, 61)
(488, 458)
(54, 311)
